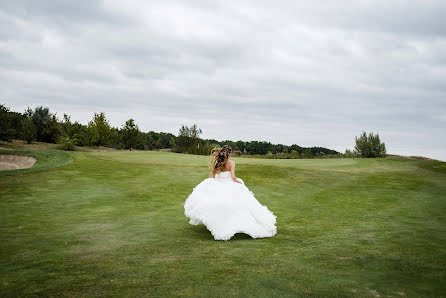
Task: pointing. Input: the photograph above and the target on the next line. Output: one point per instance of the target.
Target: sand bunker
(14, 162)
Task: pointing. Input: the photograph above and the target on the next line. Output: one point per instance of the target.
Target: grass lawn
(113, 224)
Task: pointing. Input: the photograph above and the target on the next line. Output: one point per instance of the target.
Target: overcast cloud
(303, 72)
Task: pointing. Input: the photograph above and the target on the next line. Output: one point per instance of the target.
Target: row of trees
(43, 126)
(188, 141)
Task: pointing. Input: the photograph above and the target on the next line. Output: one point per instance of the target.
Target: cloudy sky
(303, 72)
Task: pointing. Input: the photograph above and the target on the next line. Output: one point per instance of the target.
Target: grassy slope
(46, 159)
(113, 224)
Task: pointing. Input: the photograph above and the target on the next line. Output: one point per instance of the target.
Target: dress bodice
(223, 175)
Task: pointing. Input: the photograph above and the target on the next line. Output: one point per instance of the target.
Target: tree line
(43, 126)
(188, 141)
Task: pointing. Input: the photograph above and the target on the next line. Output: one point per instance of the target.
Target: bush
(369, 146)
(66, 143)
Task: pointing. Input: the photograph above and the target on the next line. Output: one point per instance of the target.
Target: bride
(225, 205)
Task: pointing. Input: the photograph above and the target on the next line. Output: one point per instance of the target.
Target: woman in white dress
(225, 205)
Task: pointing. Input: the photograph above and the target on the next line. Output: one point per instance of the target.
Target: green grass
(113, 224)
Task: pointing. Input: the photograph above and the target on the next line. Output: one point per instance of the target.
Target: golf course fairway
(113, 224)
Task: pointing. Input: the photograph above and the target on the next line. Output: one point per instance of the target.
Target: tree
(70, 130)
(172, 142)
(187, 139)
(88, 134)
(67, 127)
(47, 126)
(102, 129)
(7, 130)
(115, 138)
(28, 127)
(41, 118)
(369, 146)
(193, 131)
(294, 154)
(130, 133)
(54, 131)
(306, 153)
(69, 134)
(150, 139)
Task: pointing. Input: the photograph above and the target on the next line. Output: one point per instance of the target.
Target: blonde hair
(219, 158)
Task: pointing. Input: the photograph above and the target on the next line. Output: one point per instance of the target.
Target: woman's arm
(233, 172)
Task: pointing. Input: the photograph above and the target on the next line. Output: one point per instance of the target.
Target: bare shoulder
(231, 162)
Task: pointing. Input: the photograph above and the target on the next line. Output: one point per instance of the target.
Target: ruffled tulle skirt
(227, 208)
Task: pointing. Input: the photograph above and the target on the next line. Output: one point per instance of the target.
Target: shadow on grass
(201, 232)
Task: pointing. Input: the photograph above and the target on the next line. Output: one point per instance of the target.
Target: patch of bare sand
(15, 162)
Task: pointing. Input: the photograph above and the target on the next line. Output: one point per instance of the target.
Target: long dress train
(226, 208)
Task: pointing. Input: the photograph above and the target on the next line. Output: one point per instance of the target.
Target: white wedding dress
(226, 208)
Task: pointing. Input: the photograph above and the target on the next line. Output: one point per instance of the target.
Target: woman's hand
(235, 180)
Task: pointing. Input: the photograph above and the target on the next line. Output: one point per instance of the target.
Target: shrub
(66, 143)
(369, 146)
